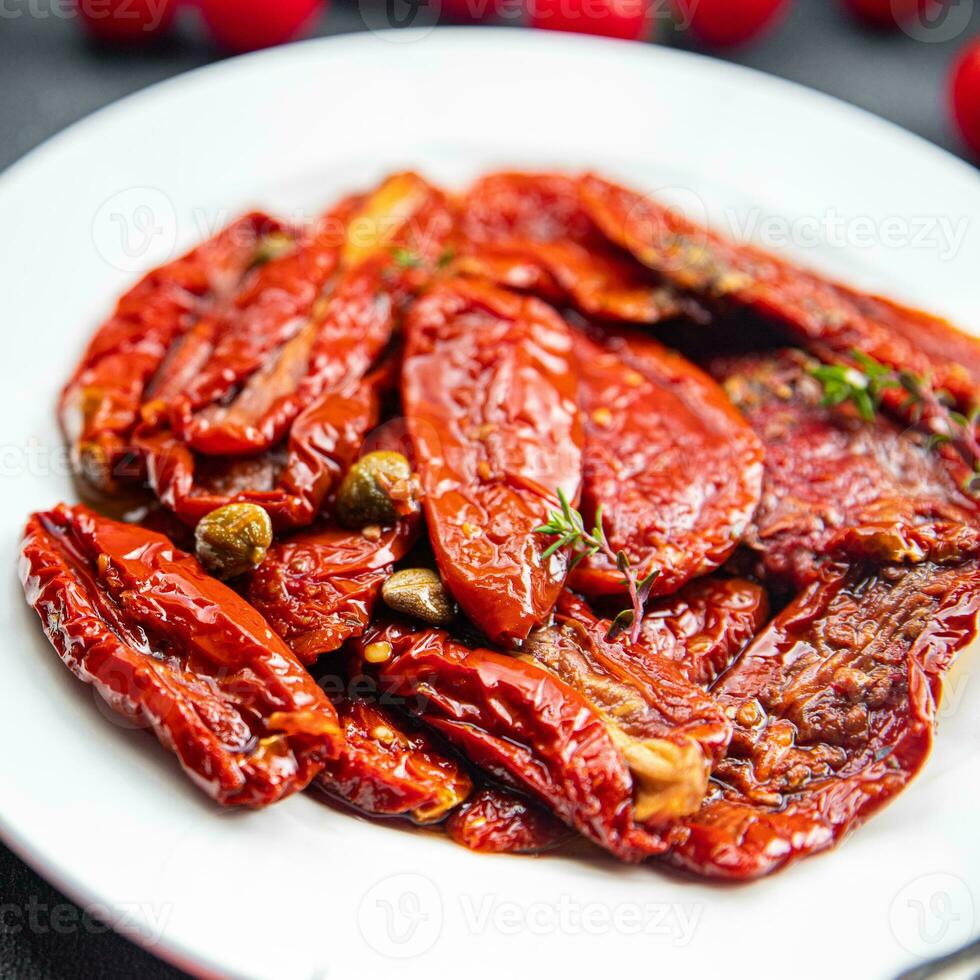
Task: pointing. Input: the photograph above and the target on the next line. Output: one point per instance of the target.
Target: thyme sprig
(932, 410)
(568, 528)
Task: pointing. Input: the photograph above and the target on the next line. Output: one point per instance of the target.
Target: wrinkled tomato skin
(173, 649)
(496, 821)
(835, 484)
(703, 627)
(323, 442)
(612, 673)
(489, 394)
(529, 232)
(319, 588)
(522, 725)
(329, 351)
(673, 466)
(388, 767)
(834, 707)
(825, 317)
(266, 399)
(100, 404)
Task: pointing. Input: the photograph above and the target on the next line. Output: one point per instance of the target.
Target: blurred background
(914, 62)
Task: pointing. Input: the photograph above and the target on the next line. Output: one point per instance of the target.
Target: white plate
(301, 890)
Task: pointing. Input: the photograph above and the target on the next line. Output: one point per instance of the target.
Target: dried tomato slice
(290, 481)
(285, 357)
(834, 706)
(170, 647)
(830, 319)
(100, 403)
(500, 822)
(319, 588)
(704, 626)
(674, 467)
(530, 232)
(226, 347)
(489, 393)
(522, 724)
(668, 730)
(388, 767)
(835, 482)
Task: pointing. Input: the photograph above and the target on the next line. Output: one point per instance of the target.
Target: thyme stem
(568, 528)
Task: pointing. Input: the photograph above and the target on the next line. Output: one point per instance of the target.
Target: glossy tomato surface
(631, 20)
(965, 95)
(247, 25)
(719, 23)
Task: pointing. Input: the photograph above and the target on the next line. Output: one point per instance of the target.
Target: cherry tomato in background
(721, 23)
(964, 91)
(478, 11)
(247, 25)
(883, 14)
(631, 20)
(126, 21)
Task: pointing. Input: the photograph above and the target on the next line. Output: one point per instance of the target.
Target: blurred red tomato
(965, 95)
(471, 11)
(719, 23)
(887, 13)
(246, 25)
(628, 19)
(129, 21)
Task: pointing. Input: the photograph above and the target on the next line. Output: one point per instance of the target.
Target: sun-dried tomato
(674, 467)
(243, 404)
(834, 706)
(169, 647)
(388, 767)
(830, 319)
(519, 722)
(500, 822)
(530, 232)
(319, 588)
(100, 403)
(489, 394)
(668, 730)
(705, 625)
(290, 481)
(836, 483)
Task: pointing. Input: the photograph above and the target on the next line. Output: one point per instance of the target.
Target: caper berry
(233, 539)
(376, 490)
(419, 592)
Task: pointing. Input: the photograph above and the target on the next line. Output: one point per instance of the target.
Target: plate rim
(174, 950)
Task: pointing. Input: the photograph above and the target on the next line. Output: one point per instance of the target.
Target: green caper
(376, 490)
(233, 539)
(273, 246)
(419, 592)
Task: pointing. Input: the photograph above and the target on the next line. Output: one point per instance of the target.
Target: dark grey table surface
(51, 77)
